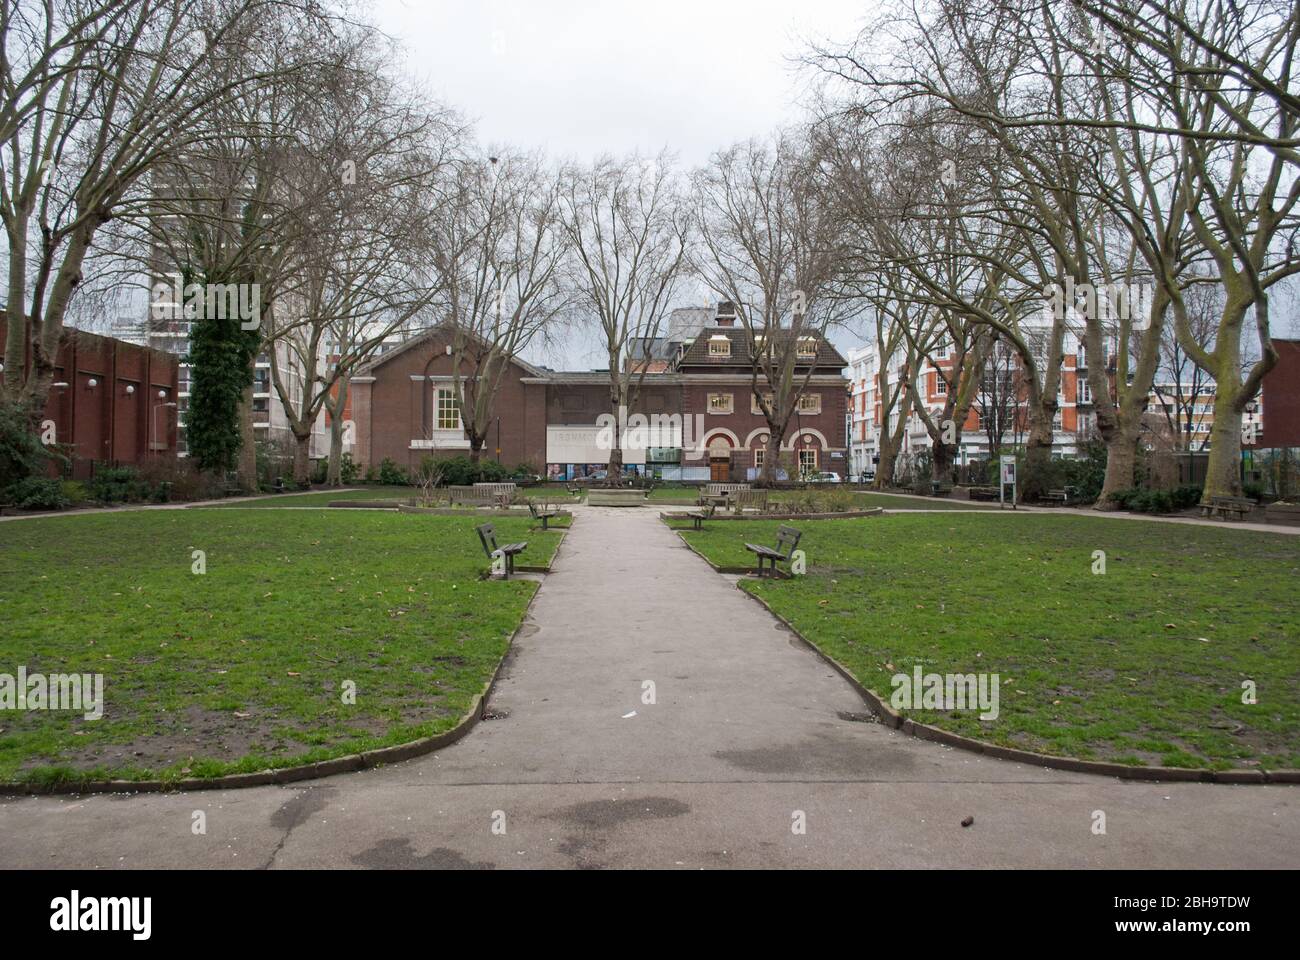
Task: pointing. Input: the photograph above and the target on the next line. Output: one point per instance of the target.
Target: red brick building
(1281, 398)
(403, 407)
(111, 401)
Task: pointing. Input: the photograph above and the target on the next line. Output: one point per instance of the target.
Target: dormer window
(806, 348)
(719, 346)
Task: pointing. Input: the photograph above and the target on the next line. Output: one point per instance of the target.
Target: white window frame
(806, 348)
(803, 470)
(810, 403)
(719, 346)
(730, 405)
(450, 394)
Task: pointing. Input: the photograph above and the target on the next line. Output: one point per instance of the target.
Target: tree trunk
(1038, 458)
(302, 458)
(334, 472)
(1223, 471)
(1121, 457)
(771, 459)
(942, 457)
(475, 449)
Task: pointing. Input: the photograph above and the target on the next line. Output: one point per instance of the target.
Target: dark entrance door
(719, 469)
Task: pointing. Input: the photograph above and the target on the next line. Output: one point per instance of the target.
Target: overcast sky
(580, 77)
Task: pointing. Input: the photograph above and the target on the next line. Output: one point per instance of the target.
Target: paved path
(746, 730)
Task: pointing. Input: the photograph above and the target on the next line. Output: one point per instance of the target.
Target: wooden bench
(543, 515)
(573, 489)
(724, 489)
(1063, 496)
(984, 493)
(1229, 508)
(742, 500)
(230, 485)
(787, 538)
(704, 513)
(487, 534)
(470, 496)
(498, 489)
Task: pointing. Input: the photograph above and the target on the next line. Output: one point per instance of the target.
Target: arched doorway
(719, 459)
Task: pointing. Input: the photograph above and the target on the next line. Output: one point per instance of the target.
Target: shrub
(1185, 497)
(1124, 499)
(39, 493)
(74, 492)
(390, 474)
(1254, 491)
(116, 485)
(462, 472)
(347, 470)
(372, 475)
(1086, 473)
(21, 452)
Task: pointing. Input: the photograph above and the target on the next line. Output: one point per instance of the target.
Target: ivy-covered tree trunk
(219, 418)
(218, 425)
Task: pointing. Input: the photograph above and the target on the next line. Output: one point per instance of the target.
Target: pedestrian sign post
(1008, 465)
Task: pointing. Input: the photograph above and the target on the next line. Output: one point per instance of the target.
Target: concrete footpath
(749, 735)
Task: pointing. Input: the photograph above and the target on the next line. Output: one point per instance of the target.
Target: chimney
(726, 315)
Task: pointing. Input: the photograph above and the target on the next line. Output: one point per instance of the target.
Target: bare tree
(95, 95)
(771, 245)
(497, 249)
(628, 229)
(363, 162)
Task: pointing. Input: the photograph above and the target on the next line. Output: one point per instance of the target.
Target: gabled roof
(433, 333)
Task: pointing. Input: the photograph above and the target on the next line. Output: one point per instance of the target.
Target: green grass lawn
(1141, 665)
(323, 498)
(244, 667)
(860, 500)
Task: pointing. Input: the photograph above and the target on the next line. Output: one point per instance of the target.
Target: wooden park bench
(1063, 496)
(573, 489)
(498, 489)
(470, 497)
(984, 493)
(787, 538)
(724, 489)
(704, 513)
(1229, 508)
(543, 515)
(743, 500)
(230, 485)
(487, 534)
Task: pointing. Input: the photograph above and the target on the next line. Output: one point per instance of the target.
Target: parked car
(824, 477)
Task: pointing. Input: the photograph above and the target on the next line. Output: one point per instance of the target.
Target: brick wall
(112, 407)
